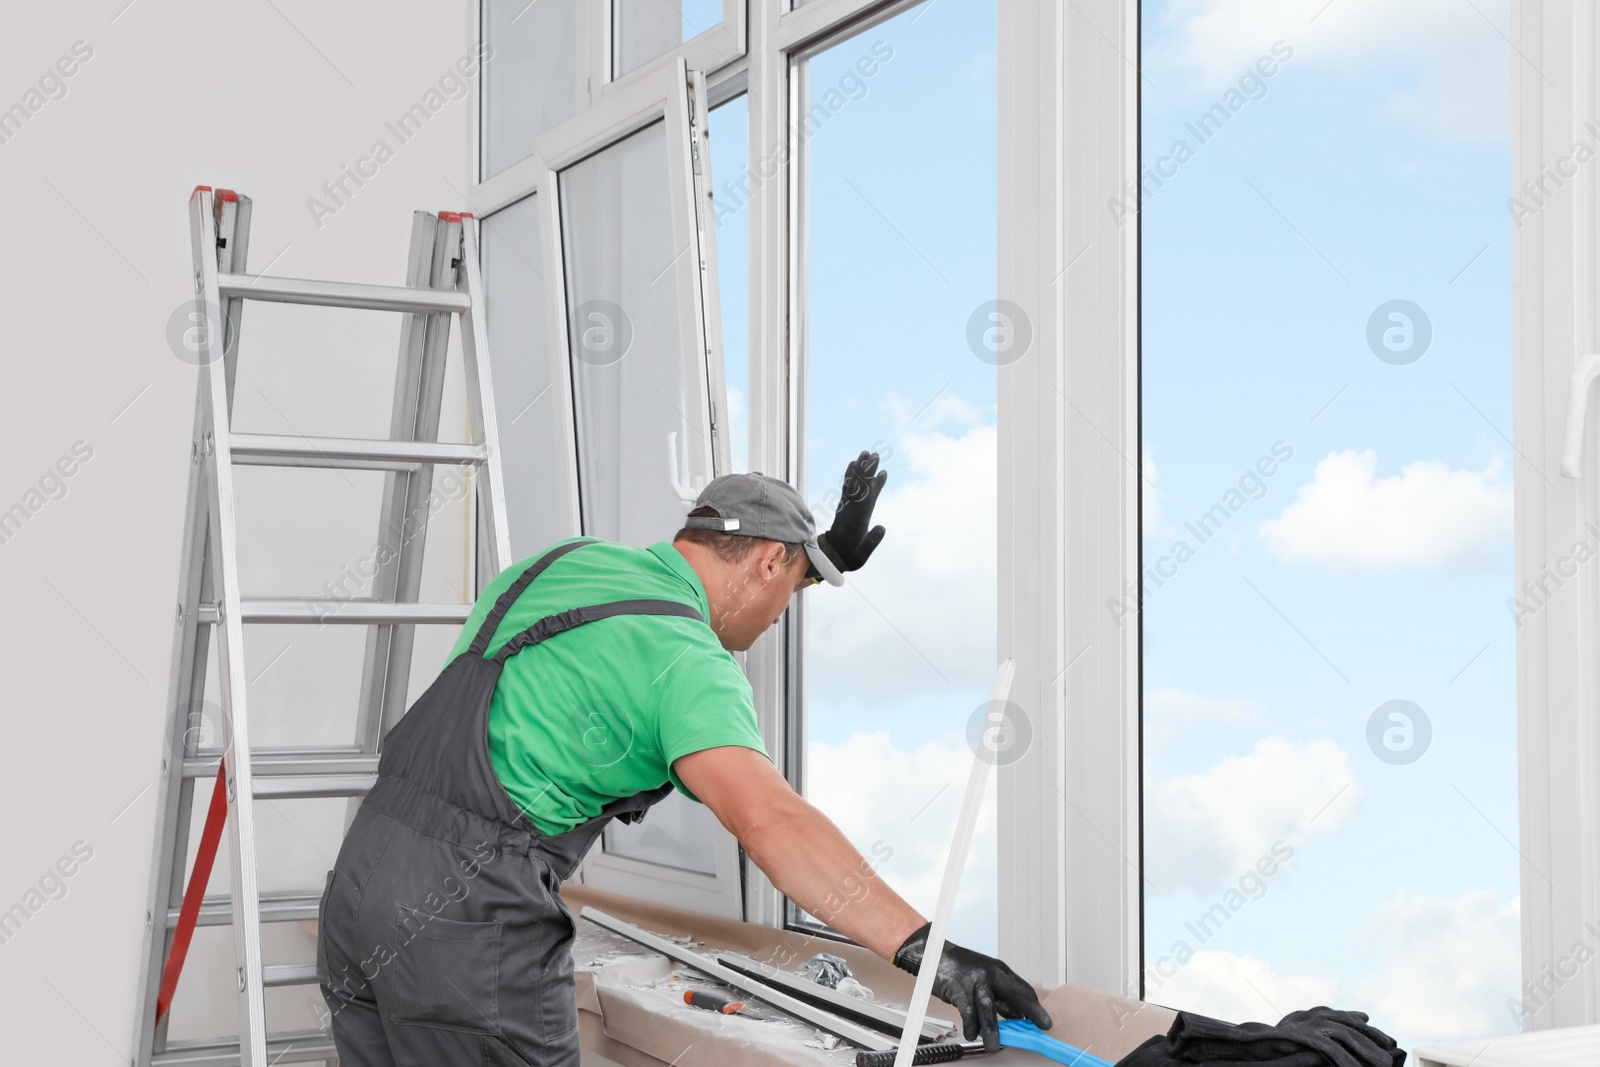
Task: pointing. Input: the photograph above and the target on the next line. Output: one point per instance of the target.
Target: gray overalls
(442, 937)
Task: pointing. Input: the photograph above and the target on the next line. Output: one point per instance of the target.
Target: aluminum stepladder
(443, 280)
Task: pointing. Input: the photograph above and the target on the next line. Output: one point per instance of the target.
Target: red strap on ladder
(210, 838)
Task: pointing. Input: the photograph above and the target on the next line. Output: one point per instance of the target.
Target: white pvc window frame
(1555, 281)
(1068, 414)
(1069, 813)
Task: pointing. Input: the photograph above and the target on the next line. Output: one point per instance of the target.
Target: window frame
(1061, 135)
(1068, 417)
(1555, 311)
(1049, 142)
(1062, 154)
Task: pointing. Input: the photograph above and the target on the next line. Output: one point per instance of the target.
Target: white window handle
(1583, 374)
(686, 493)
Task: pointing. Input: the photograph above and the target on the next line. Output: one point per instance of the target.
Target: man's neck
(710, 568)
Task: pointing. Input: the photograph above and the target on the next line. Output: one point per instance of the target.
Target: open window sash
(627, 256)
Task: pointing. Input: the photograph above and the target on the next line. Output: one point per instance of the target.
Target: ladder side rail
(233, 245)
(412, 530)
(187, 683)
(186, 688)
(230, 654)
(391, 516)
(490, 481)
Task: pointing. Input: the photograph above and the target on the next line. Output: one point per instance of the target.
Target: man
(585, 686)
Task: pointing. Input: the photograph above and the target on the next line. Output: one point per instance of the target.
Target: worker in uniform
(587, 684)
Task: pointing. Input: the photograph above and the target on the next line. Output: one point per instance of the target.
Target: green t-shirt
(601, 712)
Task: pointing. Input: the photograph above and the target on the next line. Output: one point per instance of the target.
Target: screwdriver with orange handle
(701, 998)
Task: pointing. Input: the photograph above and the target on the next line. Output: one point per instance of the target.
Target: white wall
(267, 98)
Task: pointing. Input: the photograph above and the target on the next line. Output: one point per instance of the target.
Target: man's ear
(771, 558)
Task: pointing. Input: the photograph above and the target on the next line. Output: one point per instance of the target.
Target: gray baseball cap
(754, 505)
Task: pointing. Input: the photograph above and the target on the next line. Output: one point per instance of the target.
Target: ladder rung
(291, 763)
(299, 775)
(346, 453)
(295, 1046)
(309, 788)
(275, 908)
(340, 294)
(276, 974)
(360, 612)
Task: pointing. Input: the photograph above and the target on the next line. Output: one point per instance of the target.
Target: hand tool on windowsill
(701, 998)
(868, 1013)
(943, 1052)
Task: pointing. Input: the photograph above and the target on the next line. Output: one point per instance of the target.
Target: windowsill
(631, 1010)
(1564, 1047)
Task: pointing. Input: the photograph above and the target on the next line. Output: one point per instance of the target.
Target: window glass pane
(645, 29)
(1330, 789)
(634, 387)
(634, 384)
(530, 76)
(897, 662)
(729, 134)
(518, 300)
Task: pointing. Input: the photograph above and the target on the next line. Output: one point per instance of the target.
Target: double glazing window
(1319, 433)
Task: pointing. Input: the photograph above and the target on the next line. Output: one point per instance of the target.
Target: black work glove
(977, 986)
(849, 541)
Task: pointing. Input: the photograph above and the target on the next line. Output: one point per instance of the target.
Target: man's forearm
(812, 863)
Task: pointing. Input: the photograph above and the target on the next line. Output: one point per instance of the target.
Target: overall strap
(491, 622)
(551, 625)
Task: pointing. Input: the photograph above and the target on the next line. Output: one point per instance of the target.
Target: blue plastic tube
(1019, 1033)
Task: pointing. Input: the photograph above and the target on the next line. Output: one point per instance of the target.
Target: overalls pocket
(447, 973)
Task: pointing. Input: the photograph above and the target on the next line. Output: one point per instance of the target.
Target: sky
(1373, 564)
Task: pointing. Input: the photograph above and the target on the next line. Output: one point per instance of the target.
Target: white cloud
(911, 636)
(1458, 60)
(1192, 707)
(1450, 965)
(1203, 829)
(921, 615)
(1347, 516)
(1237, 989)
(945, 409)
(1167, 710)
(908, 799)
(1149, 497)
